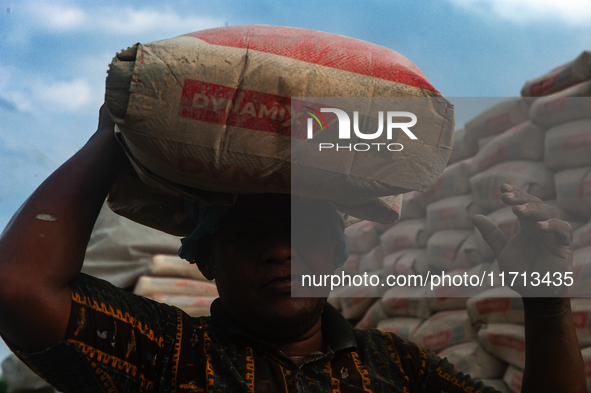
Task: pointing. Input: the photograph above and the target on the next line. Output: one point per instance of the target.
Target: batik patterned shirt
(119, 342)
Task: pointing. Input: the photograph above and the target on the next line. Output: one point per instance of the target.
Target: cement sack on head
(450, 296)
(406, 302)
(505, 341)
(373, 316)
(531, 177)
(173, 266)
(464, 146)
(362, 237)
(351, 265)
(405, 234)
(560, 77)
(564, 106)
(20, 378)
(443, 247)
(471, 358)
(444, 329)
(120, 250)
(573, 191)
(195, 306)
(470, 253)
(210, 110)
(522, 142)
(507, 222)
(586, 353)
(581, 309)
(568, 145)
(498, 384)
(496, 305)
(498, 118)
(402, 327)
(454, 181)
(373, 260)
(582, 236)
(452, 213)
(514, 379)
(148, 286)
(412, 206)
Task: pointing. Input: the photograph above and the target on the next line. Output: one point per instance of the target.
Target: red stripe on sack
(248, 109)
(324, 49)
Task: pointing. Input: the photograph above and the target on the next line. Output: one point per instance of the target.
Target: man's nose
(278, 248)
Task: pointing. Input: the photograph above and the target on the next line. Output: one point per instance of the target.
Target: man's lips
(283, 282)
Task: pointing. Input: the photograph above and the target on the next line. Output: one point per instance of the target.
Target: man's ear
(205, 257)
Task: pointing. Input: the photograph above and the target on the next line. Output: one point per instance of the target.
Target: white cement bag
(531, 177)
(444, 329)
(120, 250)
(586, 353)
(408, 262)
(372, 261)
(406, 301)
(149, 286)
(453, 295)
(464, 146)
(496, 305)
(582, 236)
(482, 142)
(514, 379)
(470, 253)
(351, 265)
(564, 106)
(573, 190)
(373, 316)
(522, 142)
(452, 213)
(405, 234)
(504, 341)
(453, 181)
(498, 118)
(355, 301)
(568, 145)
(443, 247)
(581, 308)
(412, 206)
(362, 237)
(173, 266)
(498, 384)
(402, 327)
(471, 358)
(195, 306)
(560, 77)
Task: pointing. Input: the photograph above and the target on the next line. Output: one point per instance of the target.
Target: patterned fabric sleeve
(115, 342)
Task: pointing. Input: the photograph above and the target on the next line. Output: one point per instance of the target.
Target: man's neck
(298, 348)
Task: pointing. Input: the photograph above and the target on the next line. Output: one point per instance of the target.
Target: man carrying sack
(82, 334)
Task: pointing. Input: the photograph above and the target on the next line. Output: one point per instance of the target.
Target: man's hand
(541, 249)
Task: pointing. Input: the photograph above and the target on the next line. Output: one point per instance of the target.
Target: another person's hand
(540, 253)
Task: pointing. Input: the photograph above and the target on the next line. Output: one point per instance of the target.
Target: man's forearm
(43, 246)
(553, 361)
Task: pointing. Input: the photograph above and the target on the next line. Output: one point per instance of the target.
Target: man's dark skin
(39, 257)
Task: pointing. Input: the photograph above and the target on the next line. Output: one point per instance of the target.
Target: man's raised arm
(42, 247)
(553, 361)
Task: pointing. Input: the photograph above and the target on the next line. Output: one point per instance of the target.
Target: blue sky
(54, 56)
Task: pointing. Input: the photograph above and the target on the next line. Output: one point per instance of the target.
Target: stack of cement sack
(539, 144)
(174, 281)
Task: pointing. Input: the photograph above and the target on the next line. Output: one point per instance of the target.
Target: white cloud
(115, 20)
(571, 12)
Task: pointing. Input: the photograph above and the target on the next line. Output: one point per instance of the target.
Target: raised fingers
(562, 231)
(491, 233)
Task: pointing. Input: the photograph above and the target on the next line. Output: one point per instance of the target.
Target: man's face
(253, 256)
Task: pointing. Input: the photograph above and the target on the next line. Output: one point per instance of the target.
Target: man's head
(261, 248)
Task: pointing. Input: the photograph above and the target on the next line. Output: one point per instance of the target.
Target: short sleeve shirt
(119, 342)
